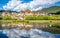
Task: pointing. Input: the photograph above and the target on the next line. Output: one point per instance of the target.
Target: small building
(40, 13)
(6, 13)
(28, 14)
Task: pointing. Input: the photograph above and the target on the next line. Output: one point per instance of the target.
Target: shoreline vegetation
(32, 19)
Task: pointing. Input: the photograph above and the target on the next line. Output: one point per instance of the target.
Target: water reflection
(23, 25)
(2, 35)
(23, 30)
(32, 33)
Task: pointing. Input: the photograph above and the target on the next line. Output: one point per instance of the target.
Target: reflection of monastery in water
(23, 30)
(25, 26)
(17, 32)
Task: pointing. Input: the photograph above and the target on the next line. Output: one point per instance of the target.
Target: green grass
(32, 19)
(46, 17)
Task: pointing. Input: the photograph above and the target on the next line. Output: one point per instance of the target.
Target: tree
(57, 12)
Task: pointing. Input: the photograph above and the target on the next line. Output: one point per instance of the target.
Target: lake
(27, 30)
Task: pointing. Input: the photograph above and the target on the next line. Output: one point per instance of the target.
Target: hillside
(6, 11)
(52, 9)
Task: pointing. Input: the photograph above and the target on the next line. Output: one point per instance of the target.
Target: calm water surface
(23, 30)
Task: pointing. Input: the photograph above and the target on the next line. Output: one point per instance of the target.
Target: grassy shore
(30, 21)
(12, 21)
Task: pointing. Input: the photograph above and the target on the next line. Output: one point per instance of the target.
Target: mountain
(52, 9)
(7, 11)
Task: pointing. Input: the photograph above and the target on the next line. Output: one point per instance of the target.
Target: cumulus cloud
(11, 4)
(21, 7)
(17, 5)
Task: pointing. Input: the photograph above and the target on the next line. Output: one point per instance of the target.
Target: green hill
(52, 9)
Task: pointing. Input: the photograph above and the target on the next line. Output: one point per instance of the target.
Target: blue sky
(3, 2)
(24, 4)
(57, 4)
(26, 1)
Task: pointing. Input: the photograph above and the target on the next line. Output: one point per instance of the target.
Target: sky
(18, 5)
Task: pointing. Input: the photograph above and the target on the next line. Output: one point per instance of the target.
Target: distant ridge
(52, 9)
(7, 11)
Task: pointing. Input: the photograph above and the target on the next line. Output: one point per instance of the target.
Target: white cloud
(21, 7)
(39, 8)
(42, 2)
(11, 4)
(16, 5)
